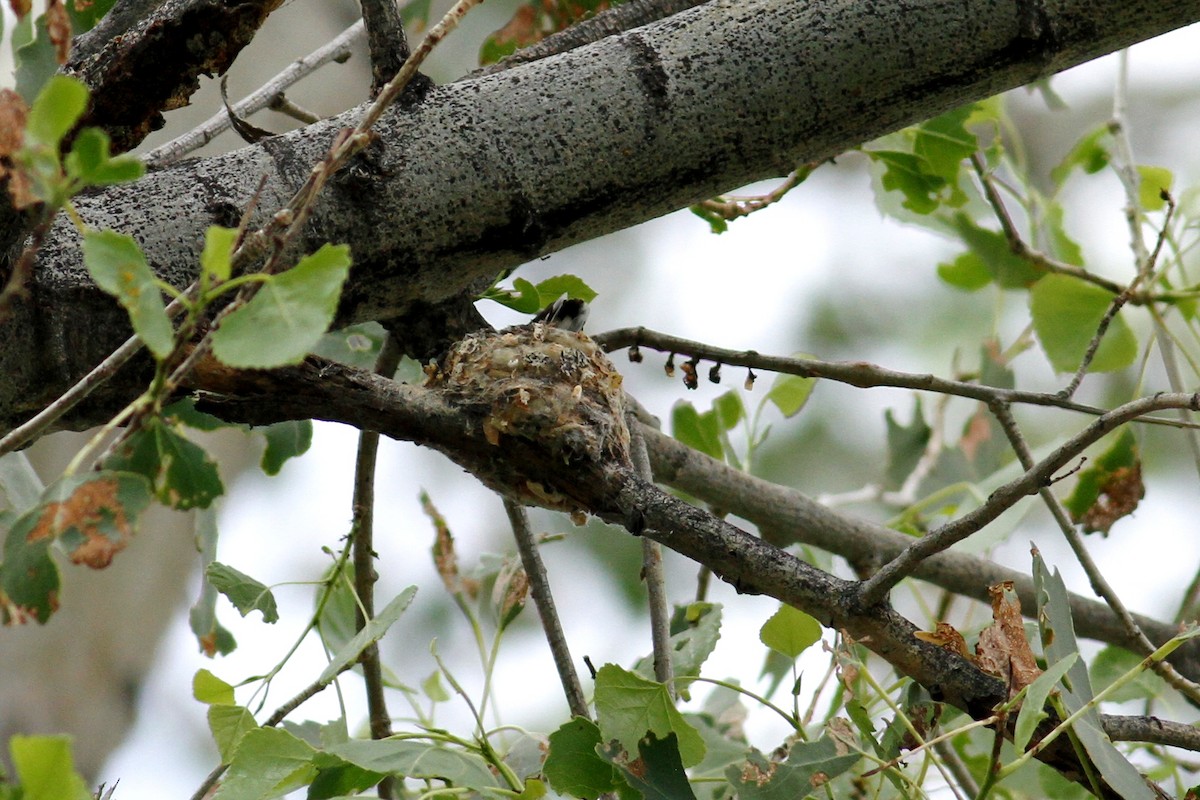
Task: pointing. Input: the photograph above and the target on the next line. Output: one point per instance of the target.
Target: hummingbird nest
(552, 388)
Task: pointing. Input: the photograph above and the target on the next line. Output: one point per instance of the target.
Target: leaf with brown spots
(93, 516)
(808, 766)
(29, 580)
(20, 7)
(1003, 650)
(535, 21)
(14, 115)
(1109, 489)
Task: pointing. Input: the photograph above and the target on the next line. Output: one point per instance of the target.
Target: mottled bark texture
(485, 174)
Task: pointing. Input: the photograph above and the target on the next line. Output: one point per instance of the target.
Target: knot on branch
(549, 398)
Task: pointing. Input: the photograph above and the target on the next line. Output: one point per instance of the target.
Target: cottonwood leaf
(790, 393)
(244, 592)
(695, 629)
(809, 766)
(1066, 313)
(267, 762)
(657, 771)
(211, 690)
(284, 321)
(372, 632)
(1033, 706)
(698, 431)
(790, 631)
(1110, 488)
(1154, 182)
(45, 768)
(285, 440)
(58, 106)
(420, 760)
(216, 257)
(572, 766)
(118, 266)
(967, 272)
(91, 164)
(628, 707)
(228, 725)
(181, 472)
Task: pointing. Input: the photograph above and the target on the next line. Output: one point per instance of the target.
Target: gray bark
(488, 173)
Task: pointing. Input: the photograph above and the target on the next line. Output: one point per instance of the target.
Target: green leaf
(1066, 313)
(34, 55)
(1033, 708)
(1009, 270)
(1090, 154)
(730, 410)
(45, 768)
(244, 592)
(211, 690)
(268, 762)
(182, 474)
(572, 766)
(1114, 662)
(716, 223)
(523, 297)
(808, 765)
(573, 286)
(628, 707)
(906, 444)
(657, 771)
(1062, 246)
(790, 631)
(698, 431)
(202, 617)
(29, 579)
(906, 173)
(695, 630)
(285, 440)
(1059, 643)
(117, 265)
(286, 319)
(19, 482)
(91, 164)
(415, 14)
(944, 142)
(340, 780)
(967, 272)
(790, 393)
(372, 632)
(229, 724)
(419, 760)
(1154, 182)
(215, 259)
(58, 106)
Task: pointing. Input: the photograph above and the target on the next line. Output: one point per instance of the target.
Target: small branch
(732, 207)
(1034, 479)
(1151, 730)
(338, 49)
(282, 105)
(386, 41)
(543, 600)
(652, 572)
(365, 575)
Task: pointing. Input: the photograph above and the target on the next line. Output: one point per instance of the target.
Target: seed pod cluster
(550, 387)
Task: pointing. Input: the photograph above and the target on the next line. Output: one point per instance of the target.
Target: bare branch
(385, 41)
(652, 571)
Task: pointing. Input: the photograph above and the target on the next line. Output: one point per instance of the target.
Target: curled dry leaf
(947, 637)
(1003, 650)
(14, 114)
(58, 26)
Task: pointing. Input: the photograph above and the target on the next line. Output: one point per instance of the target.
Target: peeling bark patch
(648, 69)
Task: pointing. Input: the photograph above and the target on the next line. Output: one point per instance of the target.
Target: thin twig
(1039, 475)
(731, 207)
(338, 50)
(652, 572)
(543, 600)
(365, 575)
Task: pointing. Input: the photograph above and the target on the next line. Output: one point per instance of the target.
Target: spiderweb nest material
(542, 386)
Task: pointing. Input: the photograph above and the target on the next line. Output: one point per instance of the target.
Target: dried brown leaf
(58, 26)
(1003, 650)
(20, 7)
(947, 637)
(1119, 497)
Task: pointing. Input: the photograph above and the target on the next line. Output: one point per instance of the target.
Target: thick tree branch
(485, 174)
